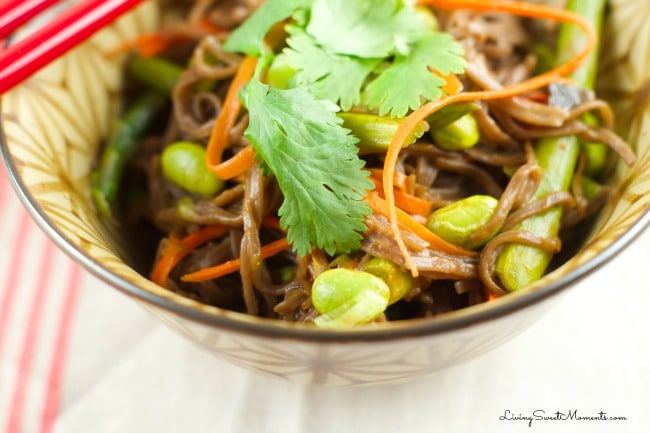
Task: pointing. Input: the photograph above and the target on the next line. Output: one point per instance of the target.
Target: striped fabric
(39, 288)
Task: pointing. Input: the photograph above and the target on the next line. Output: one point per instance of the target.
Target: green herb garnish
(408, 80)
(315, 163)
(329, 75)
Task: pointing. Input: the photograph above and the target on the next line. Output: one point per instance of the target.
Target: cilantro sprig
(249, 37)
(365, 28)
(314, 161)
(408, 80)
(329, 75)
(376, 54)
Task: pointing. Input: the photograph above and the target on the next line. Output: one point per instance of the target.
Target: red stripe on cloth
(55, 378)
(11, 278)
(30, 342)
(4, 187)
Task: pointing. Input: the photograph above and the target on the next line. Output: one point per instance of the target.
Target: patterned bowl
(53, 124)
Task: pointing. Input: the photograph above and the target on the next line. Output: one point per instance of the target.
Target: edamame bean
(399, 281)
(461, 134)
(376, 132)
(280, 73)
(456, 222)
(183, 163)
(346, 297)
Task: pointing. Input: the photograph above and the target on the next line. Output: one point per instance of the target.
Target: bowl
(53, 124)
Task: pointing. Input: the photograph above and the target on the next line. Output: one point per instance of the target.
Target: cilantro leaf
(330, 76)
(408, 79)
(365, 28)
(315, 162)
(249, 37)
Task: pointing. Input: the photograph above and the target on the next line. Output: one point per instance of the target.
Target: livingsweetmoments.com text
(569, 415)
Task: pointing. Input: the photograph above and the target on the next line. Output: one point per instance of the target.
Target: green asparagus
(120, 148)
(520, 265)
(156, 73)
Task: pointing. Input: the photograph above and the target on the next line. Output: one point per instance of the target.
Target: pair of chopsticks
(65, 31)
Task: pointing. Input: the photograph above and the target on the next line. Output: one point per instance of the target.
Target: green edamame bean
(428, 17)
(280, 73)
(375, 133)
(461, 134)
(456, 222)
(346, 297)
(399, 281)
(183, 163)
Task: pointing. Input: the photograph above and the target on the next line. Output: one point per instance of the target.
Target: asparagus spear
(156, 73)
(159, 76)
(520, 265)
(122, 144)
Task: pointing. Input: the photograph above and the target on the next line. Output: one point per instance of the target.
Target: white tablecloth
(76, 356)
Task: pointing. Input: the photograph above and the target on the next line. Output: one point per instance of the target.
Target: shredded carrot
(405, 129)
(233, 265)
(400, 179)
(148, 45)
(167, 260)
(154, 43)
(407, 202)
(271, 221)
(237, 164)
(412, 204)
(538, 96)
(177, 249)
(452, 85)
(207, 26)
(226, 119)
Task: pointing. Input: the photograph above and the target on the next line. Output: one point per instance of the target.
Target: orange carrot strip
(271, 221)
(412, 204)
(225, 121)
(518, 8)
(407, 202)
(167, 260)
(207, 26)
(149, 44)
(233, 265)
(380, 206)
(400, 178)
(237, 164)
(154, 43)
(177, 249)
(452, 84)
(538, 96)
(202, 236)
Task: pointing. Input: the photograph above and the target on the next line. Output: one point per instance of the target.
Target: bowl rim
(264, 327)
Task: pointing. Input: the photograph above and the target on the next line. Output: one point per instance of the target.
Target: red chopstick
(21, 60)
(14, 13)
